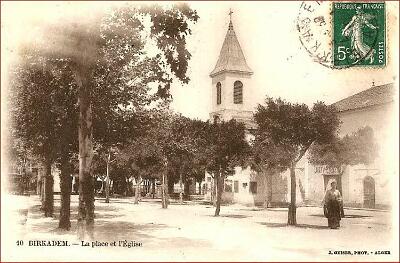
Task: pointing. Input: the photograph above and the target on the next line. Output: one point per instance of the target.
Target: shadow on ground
(251, 209)
(106, 230)
(228, 216)
(345, 216)
(297, 226)
(235, 216)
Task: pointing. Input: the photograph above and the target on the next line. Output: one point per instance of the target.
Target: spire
(231, 57)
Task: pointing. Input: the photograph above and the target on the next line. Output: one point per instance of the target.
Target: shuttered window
(219, 93)
(238, 92)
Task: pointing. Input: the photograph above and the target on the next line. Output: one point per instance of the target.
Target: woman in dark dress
(333, 206)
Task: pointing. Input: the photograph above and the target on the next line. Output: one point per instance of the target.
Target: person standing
(333, 206)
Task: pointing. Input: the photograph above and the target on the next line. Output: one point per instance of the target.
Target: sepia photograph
(199, 131)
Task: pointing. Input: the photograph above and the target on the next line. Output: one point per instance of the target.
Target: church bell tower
(231, 82)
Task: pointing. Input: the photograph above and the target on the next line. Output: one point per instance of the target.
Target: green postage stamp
(359, 34)
(344, 34)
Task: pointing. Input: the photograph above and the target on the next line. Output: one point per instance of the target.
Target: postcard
(199, 131)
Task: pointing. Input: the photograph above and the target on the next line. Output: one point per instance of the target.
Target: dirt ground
(190, 232)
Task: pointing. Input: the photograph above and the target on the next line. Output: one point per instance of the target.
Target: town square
(199, 131)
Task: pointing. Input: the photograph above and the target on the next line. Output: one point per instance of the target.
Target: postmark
(359, 34)
(343, 34)
(314, 27)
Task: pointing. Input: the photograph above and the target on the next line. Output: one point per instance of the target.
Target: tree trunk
(66, 189)
(180, 189)
(42, 192)
(292, 206)
(219, 194)
(102, 189)
(164, 188)
(269, 178)
(170, 184)
(199, 187)
(268, 175)
(153, 185)
(214, 190)
(23, 181)
(147, 186)
(107, 184)
(129, 187)
(38, 184)
(137, 190)
(48, 191)
(186, 188)
(86, 182)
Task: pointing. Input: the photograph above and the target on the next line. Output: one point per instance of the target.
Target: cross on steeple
(230, 14)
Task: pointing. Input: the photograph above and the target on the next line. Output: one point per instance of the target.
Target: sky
(268, 37)
(282, 67)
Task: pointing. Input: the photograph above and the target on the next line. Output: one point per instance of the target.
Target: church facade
(365, 186)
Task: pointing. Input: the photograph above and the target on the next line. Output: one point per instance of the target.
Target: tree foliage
(285, 133)
(294, 127)
(356, 148)
(43, 107)
(225, 147)
(43, 113)
(112, 74)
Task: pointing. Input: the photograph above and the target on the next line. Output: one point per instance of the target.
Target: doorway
(369, 192)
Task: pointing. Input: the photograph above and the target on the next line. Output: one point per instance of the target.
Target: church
(366, 186)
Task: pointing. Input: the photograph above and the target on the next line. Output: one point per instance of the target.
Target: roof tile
(231, 57)
(373, 96)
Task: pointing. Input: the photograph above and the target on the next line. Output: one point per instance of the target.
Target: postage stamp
(343, 34)
(359, 34)
(199, 131)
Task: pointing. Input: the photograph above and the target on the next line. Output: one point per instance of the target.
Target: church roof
(373, 96)
(231, 57)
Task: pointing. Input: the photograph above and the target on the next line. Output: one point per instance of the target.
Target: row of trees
(95, 80)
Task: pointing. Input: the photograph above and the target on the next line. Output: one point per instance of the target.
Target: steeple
(231, 57)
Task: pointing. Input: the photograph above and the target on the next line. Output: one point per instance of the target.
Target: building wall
(311, 181)
(380, 118)
(282, 187)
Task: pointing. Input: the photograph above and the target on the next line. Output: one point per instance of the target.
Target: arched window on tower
(218, 93)
(238, 92)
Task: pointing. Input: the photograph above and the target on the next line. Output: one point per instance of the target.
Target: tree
(170, 134)
(19, 157)
(165, 149)
(290, 130)
(43, 109)
(268, 158)
(197, 164)
(81, 44)
(181, 151)
(356, 148)
(225, 147)
(144, 159)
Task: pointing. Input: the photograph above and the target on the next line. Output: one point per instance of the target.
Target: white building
(361, 186)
